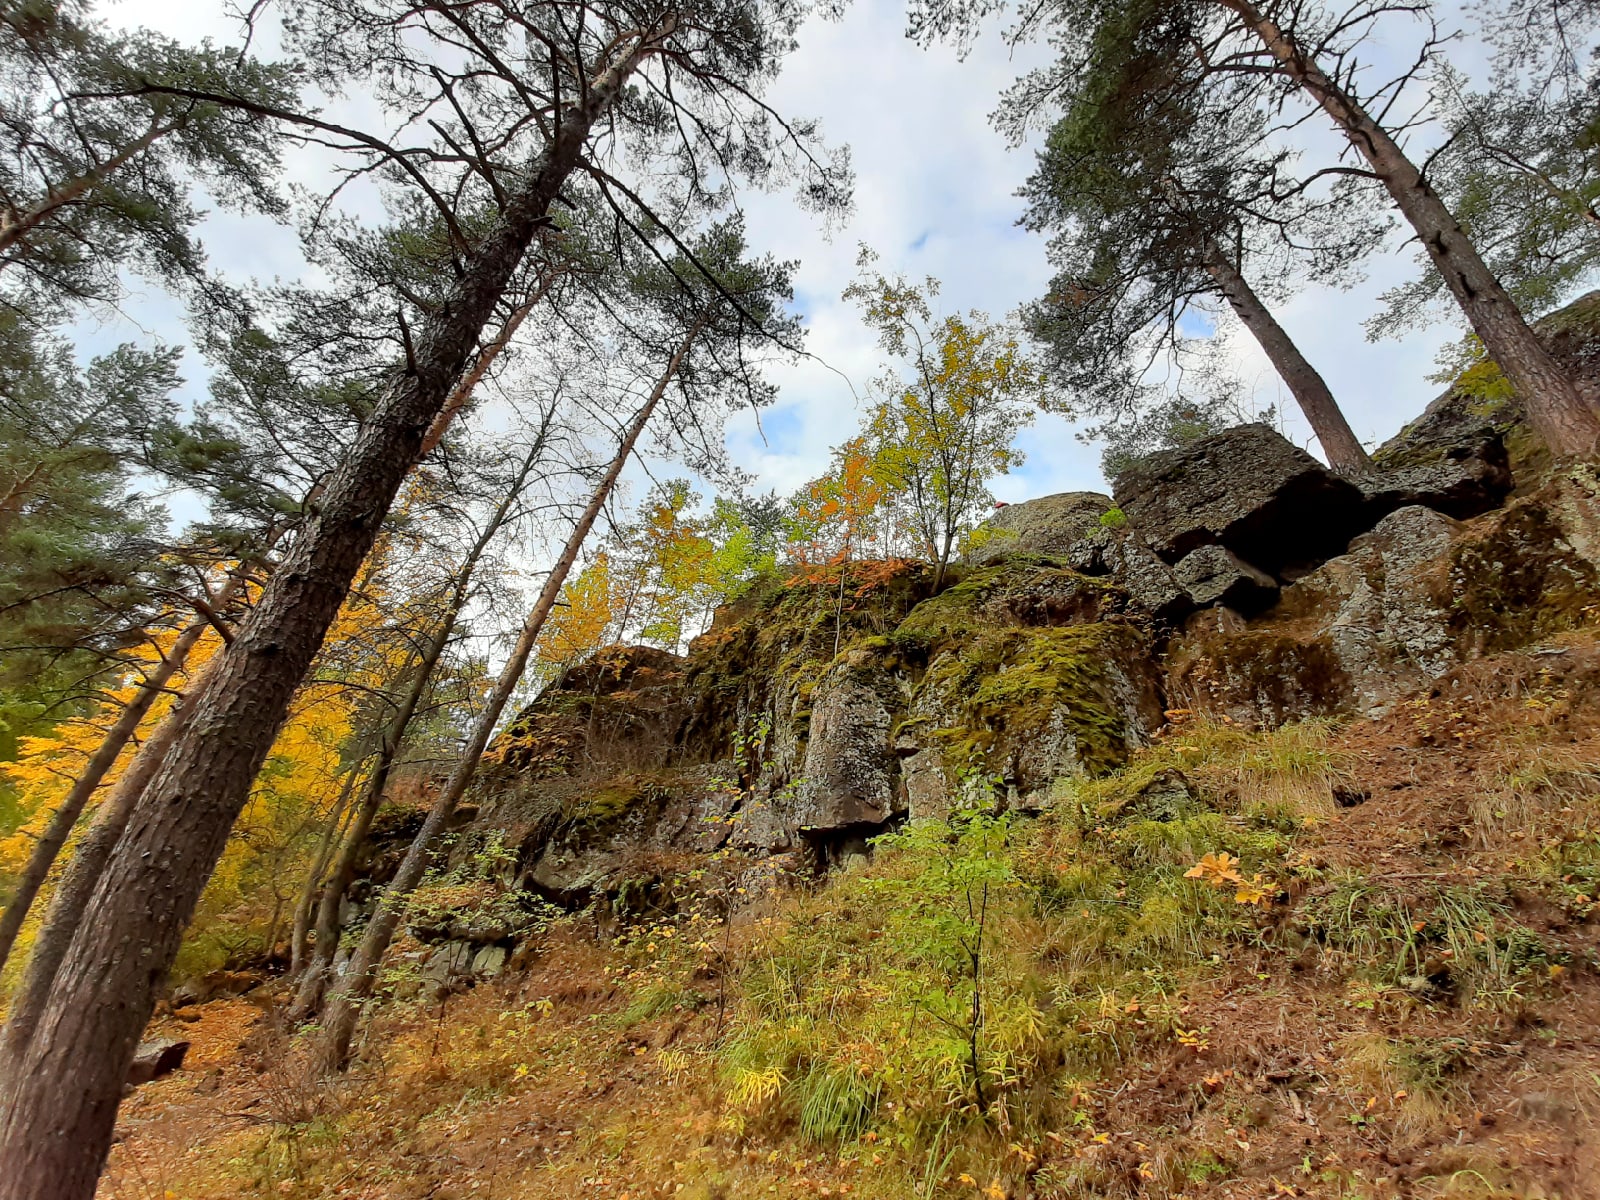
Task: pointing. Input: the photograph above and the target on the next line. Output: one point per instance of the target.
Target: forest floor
(1343, 1061)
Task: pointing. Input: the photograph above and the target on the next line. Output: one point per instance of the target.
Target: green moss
(1520, 583)
(610, 803)
(1014, 682)
(598, 808)
(1031, 590)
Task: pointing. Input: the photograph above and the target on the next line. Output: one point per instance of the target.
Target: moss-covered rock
(1525, 575)
(1048, 526)
(1015, 707)
(1255, 677)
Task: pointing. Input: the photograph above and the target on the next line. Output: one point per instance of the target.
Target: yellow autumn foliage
(248, 901)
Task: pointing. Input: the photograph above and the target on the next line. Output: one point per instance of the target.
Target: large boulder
(1363, 630)
(1148, 583)
(603, 829)
(1248, 489)
(848, 782)
(1450, 459)
(1047, 526)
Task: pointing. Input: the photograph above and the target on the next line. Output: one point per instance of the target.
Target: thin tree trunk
(67, 906)
(344, 1011)
(300, 931)
(105, 756)
(58, 1126)
(1559, 414)
(1310, 390)
(462, 392)
(308, 996)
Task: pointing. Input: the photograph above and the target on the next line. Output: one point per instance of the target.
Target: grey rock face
(927, 786)
(1085, 697)
(1385, 604)
(849, 775)
(489, 961)
(1151, 586)
(1449, 459)
(1047, 526)
(1355, 636)
(1215, 575)
(1248, 489)
(451, 960)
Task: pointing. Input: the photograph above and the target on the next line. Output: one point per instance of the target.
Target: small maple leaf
(1218, 869)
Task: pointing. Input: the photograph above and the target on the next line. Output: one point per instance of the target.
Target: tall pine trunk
(1310, 390)
(1560, 415)
(308, 996)
(344, 1010)
(65, 1091)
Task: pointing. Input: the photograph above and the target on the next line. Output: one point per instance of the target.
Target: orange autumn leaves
(1221, 871)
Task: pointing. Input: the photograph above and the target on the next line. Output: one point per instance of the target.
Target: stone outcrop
(764, 741)
(1450, 459)
(848, 778)
(1216, 575)
(1417, 595)
(1240, 578)
(1246, 489)
(1045, 527)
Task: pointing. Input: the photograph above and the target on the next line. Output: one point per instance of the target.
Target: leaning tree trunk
(344, 1010)
(300, 926)
(1560, 415)
(308, 996)
(65, 1091)
(55, 834)
(462, 392)
(71, 899)
(1310, 390)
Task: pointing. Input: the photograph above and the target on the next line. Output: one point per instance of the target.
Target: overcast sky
(935, 195)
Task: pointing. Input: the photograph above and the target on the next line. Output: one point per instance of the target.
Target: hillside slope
(1238, 836)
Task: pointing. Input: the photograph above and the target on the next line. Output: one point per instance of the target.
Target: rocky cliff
(1235, 577)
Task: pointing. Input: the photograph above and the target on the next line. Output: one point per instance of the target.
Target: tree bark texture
(344, 1010)
(1560, 415)
(1310, 390)
(63, 1103)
